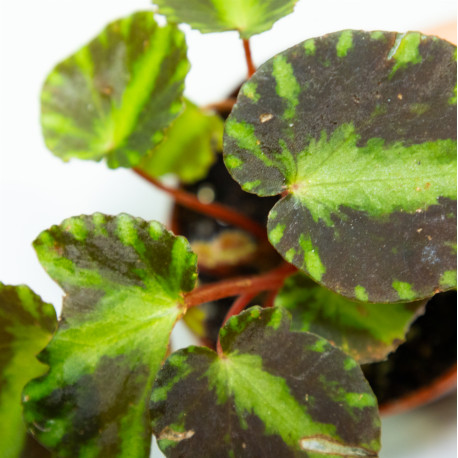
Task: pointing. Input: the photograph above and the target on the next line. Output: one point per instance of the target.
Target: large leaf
(26, 326)
(113, 98)
(272, 393)
(367, 332)
(189, 147)
(357, 131)
(247, 17)
(123, 279)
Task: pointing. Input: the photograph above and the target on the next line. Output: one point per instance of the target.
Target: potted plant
(127, 281)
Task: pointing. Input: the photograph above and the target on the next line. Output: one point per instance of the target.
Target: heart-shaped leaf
(26, 326)
(123, 279)
(367, 332)
(247, 17)
(114, 97)
(189, 147)
(357, 131)
(272, 393)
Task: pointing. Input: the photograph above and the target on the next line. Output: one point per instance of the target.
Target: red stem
(238, 286)
(214, 210)
(238, 305)
(270, 299)
(249, 60)
(224, 106)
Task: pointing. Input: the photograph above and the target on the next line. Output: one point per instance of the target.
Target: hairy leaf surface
(123, 278)
(247, 17)
(26, 326)
(367, 332)
(273, 393)
(114, 97)
(189, 147)
(357, 131)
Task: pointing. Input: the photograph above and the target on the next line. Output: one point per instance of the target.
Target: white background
(37, 190)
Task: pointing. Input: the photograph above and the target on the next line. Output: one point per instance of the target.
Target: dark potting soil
(226, 191)
(430, 349)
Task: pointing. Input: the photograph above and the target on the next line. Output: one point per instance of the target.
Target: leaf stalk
(214, 210)
(239, 286)
(248, 58)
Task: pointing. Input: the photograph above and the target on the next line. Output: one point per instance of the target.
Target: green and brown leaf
(26, 326)
(189, 147)
(114, 97)
(123, 278)
(367, 332)
(272, 393)
(247, 17)
(358, 131)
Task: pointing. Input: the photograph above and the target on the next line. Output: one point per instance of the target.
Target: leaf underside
(26, 326)
(358, 131)
(114, 97)
(248, 18)
(189, 147)
(367, 332)
(123, 278)
(273, 393)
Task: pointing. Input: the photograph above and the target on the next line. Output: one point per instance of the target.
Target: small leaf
(114, 97)
(26, 326)
(248, 18)
(367, 332)
(273, 393)
(357, 131)
(189, 147)
(123, 278)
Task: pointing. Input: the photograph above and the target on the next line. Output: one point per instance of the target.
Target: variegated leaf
(123, 278)
(367, 332)
(247, 17)
(26, 326)
(114, 97)
(357, 131)
(272, 393)
(189, 147)
(425, 362)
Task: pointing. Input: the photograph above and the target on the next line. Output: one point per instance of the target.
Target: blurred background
(38, 190)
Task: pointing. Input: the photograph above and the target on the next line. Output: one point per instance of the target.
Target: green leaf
(26, 326)
(247, 17)
(123, 278)
(357, 131)
(114, 97)
(367, 332)
(272, 392)
(189, 147)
